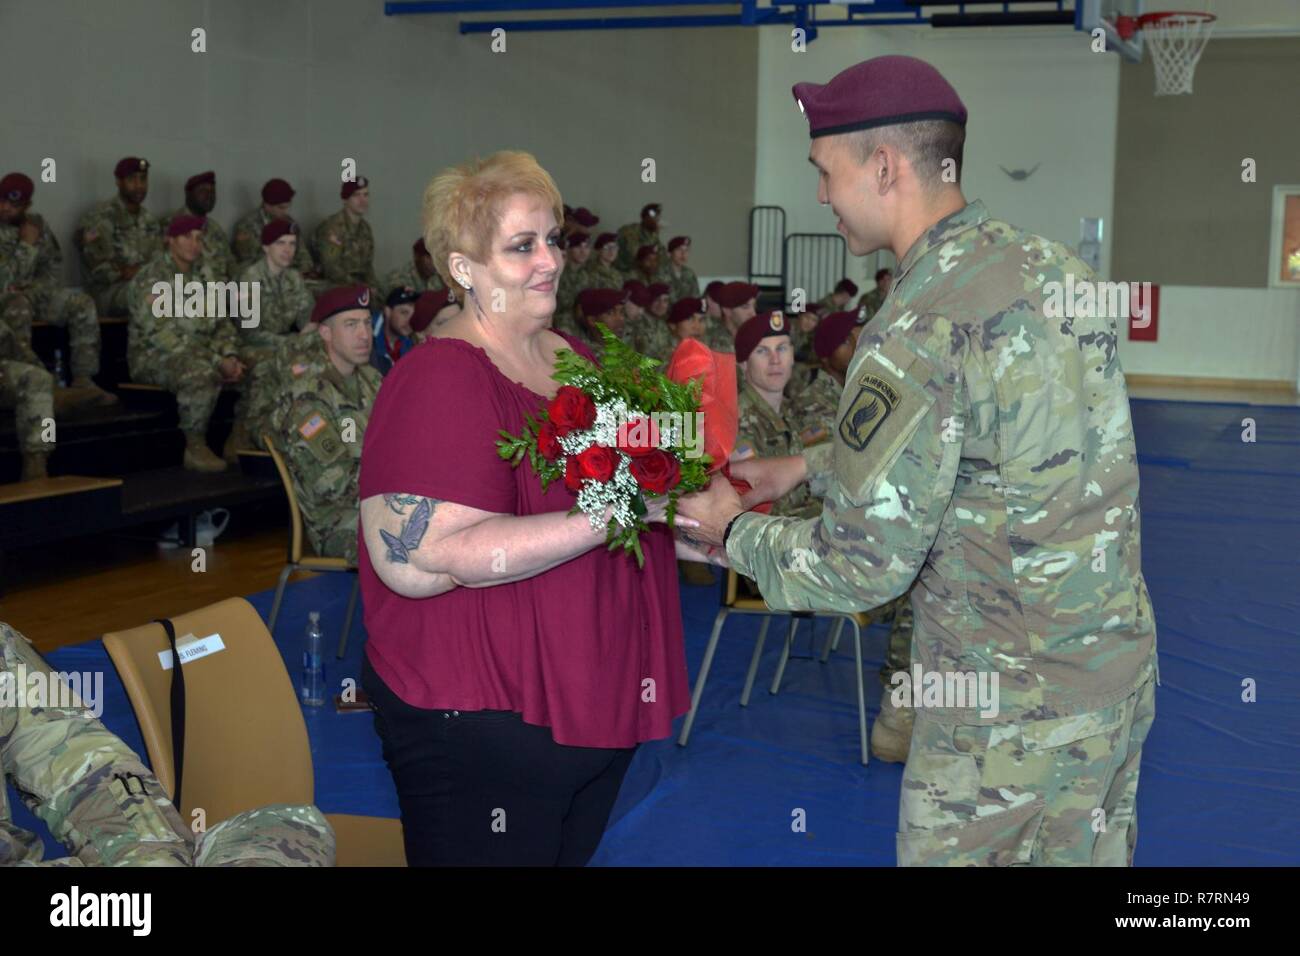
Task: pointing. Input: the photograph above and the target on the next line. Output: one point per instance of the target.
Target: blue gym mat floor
(1220, 780)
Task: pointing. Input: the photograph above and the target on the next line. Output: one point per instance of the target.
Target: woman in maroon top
(513, 663)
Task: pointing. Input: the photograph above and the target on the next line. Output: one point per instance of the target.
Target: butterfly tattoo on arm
(411, 533)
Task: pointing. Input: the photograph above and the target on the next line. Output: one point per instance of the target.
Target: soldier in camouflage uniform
(736, 304)
(200, 199)
(597, 307)
(190, 356)
(117, 237)
(647, 270)
(31, 263)
(639, 326)
(655, 338)
(766, 426)
(418, 274)
(816, 403)
(874, 298)
(637, 234)
(284, 309)
(601, 273)
(323, 430)
(246, 238)
(679, 276)
(572, 281)
(837, 300)
(27, 388)
(101, 802)
(686, 321)
(987, 448)
(344, 244)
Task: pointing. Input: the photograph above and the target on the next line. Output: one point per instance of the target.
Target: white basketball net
(1176, 43)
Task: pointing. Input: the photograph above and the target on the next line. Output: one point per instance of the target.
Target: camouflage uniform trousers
(74, 311)
(112, 300)
(1025, 794)
(25, 386)
(898, 652)
(194, 379)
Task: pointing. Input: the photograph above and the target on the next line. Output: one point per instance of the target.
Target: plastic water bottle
(60, 376)
(313, 671)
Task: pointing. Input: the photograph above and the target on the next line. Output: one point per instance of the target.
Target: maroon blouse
(573, 648)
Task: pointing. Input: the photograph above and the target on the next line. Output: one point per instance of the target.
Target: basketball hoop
(1176, 40)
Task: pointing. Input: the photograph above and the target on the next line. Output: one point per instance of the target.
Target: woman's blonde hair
(462, 206)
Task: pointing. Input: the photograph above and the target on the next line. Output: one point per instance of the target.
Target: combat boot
(891, 733)
(34, 465)
(67, 399)
(100, 397)
(238, 438)
(198, 456)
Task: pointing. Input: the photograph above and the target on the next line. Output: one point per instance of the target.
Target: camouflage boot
(198, 456)
(34, 465)
(891, 733)
(99, 396)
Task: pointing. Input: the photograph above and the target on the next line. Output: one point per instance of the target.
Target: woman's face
(521, 273)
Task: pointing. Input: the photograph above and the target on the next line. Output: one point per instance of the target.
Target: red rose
(548, 446)
(571, 410)
(597, 462)
(657, 472)
(572, 477)
(638, 437)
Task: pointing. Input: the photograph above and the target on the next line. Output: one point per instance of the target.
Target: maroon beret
(833, 331)
(16, 188)
(683, 309)
(594, 302)
(182, 224)
(758, 328)
(733, 295)
(604, 239)
(676, 241)
(349, 188)
(276, 228)
(882, 91)
(638, 293)
(847, 285)
(277, 191)
(585, 217)
(419, 248)
(645, 251)
(651, 208)
(656, 289)
(713, 288)
(576, 238)
(427, 306)
(209, 177)
(131, 164)
(342, 299)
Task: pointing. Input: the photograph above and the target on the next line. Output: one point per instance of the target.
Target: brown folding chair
(245, 739)
(733, 602)
(306, 562)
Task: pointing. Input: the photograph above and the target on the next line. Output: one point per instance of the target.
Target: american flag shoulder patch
(311, 426)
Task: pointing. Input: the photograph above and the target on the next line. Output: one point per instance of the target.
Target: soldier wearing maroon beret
(816, 403)
(684, 282)
(648, 267)
(574, 278)
(118, 237)
(246, 237)
(217, 262)
(418, 273)
(634, 235)
(601, 273)
(597, 307)
(983, 459)
(432, 308)
(344, 244)
(838, 299)
(686, 320)
(737, 304)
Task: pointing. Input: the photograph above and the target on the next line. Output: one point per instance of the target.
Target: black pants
(482, 788)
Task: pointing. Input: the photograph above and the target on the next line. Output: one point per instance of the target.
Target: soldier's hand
(689, 548)
(711, 509)
(769, 478)
(29, 232)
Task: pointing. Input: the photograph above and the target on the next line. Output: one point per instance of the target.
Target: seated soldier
(392, 329)
(35, 269)
(284, 308)
(736, 306)
(118, 237)
(686, 321)
(191, 356)
(815, 406)
(573, 280)
(326, 422)
(646, 269)
(656, 338)
(418, 274)
(765, 430)
(681, 277)
(344, 244)
(601, 273)
(874, 298)
(597, 307)
(216, 261)
(838, 300)
(102, 803)
(432, 308)
(246, 238)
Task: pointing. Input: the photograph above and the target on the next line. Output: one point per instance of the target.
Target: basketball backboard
(1091, 14)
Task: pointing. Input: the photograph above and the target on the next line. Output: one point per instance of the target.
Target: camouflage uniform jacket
(684, 283)
(284, 304)
(813, 407)
(770, 434)
(601, 276)
(216, 258)
(149, 335)
(111, 237)
(717, 337)
(346, 250)
(631, 238)
(872, 301)
(409, 277)
(246, 242)
(987, 449)
(37, 267)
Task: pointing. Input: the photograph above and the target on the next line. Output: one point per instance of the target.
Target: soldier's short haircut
(463, 205)
(926, 144)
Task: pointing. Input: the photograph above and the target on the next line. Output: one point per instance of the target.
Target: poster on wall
(1284, 255)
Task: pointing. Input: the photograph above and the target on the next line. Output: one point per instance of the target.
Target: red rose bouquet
(616, 434)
